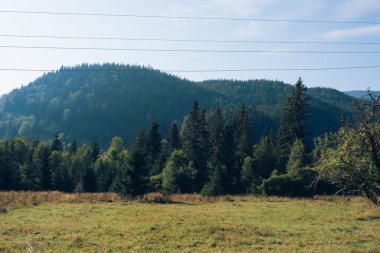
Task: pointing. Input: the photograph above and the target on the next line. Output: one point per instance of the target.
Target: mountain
(359, 93)
(101, 101)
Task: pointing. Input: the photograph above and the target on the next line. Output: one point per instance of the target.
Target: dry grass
(191, 223)
(22, 199)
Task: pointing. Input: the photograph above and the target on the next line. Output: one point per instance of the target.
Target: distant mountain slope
(89, 101)
(359, 93)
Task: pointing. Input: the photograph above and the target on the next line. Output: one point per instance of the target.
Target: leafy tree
(214, 186)
(297, 158)
(350, 157)
(263, 156)
(178, 174)
(247, 175)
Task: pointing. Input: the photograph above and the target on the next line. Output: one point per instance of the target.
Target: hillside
(359, 93)
(89, 101)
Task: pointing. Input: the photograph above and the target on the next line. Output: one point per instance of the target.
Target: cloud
(372, 30)
(357, 8)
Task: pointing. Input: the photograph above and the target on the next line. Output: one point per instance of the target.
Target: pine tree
(216, 124)
(95, 150)
(72, 147)
(292, 123)
(154, 149)
(243, 143)
(228, 157)
(196, 143)
(56, 144)
(174, 141)
(137, 170)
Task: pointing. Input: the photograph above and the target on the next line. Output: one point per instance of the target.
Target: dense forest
(212, 152)
(206, 155)
(90, 102)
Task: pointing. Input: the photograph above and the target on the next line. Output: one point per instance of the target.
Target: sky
(196, 29)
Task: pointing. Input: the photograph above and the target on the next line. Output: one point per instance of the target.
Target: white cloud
(355, 32)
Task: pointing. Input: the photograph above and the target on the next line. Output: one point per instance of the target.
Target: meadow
(58, 222)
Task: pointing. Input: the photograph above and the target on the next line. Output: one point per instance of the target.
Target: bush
(286, 185)
(155, 197)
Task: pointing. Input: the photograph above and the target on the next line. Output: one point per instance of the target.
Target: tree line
(208, 154)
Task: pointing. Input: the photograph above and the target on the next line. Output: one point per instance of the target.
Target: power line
(188, 40)
(190, 50)
(194, 71)
(188, 17)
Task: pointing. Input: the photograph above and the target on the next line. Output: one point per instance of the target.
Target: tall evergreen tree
(95, 150)
(137, 170)
(292, 125)
(216, 125)
(174, 140)
(56, 144)
(243, 144)
(196, 142)
(154, 149)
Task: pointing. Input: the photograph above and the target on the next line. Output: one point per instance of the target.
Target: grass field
(94, 223)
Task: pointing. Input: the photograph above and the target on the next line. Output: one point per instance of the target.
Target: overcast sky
(128, 27)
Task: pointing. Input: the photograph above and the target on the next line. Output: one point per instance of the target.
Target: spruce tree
(137, 169)
(95, 150)
(154, 149)
(292, 125)
(56, 144)
(174, 140)
(216, 125)
(243, 143)
(196, 143)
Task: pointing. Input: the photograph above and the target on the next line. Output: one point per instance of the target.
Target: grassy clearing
(191, 223)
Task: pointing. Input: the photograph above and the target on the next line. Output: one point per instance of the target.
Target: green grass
(244, 225)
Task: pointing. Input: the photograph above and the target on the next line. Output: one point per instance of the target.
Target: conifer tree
(174, 140)
(154, 149)
(137, 169)
(292, 125)
(216, 125)
(95, 150)
(196, 142)
(56, 144)
(243, 143)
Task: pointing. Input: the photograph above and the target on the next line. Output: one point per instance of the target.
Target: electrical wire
(188, 17)
(188, 40)
(189, 50)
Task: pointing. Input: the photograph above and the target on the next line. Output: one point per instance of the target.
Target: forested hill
(89, 101)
